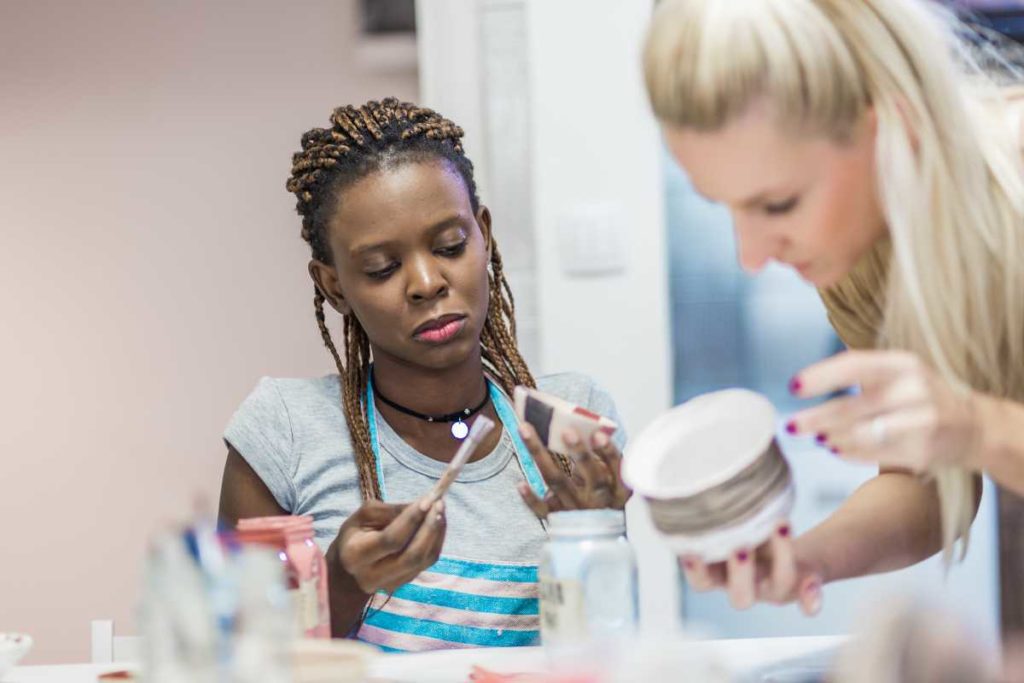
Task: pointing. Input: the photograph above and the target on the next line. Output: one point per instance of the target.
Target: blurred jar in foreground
(588, 579)
(305, 568)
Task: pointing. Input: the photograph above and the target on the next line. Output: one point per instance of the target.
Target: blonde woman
(857, 142)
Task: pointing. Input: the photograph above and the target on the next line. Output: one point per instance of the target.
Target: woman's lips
(441, 330)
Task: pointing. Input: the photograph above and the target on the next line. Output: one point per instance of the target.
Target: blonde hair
(949, 181)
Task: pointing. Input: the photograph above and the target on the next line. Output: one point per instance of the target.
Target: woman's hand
(383, 547)
(595, 481)
(774, 573)
(905, 416)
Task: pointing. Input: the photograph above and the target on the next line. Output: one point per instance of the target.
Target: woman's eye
(781, 207)
(383, 273)
(454, 250)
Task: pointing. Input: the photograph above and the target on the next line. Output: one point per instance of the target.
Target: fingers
(810, 596)
(697, 574)
(740, 566)
(591, 467)
(611, 456)
(834, 417)
(396, 535)
(782, 574)
(538, 506)
(850, 368)
(422, 552)
(556, 478)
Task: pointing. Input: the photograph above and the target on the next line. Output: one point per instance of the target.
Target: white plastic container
(712, 474)
(588, 579)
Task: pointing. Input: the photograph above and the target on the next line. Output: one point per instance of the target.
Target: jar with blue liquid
(588, 578)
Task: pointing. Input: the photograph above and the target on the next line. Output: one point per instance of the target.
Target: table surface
(740, 657)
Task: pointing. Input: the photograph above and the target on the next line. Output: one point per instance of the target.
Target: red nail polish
(835, 451)
(784, 531)
(795, 385)
(742, 556)
(821, 438)
(791, 427)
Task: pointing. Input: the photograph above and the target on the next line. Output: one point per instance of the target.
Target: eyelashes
(453, 251)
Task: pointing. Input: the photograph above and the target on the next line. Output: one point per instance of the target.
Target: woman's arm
(1001, 454)
(243, 493)
(890, 522)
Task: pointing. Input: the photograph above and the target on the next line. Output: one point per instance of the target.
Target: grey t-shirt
(292, 432)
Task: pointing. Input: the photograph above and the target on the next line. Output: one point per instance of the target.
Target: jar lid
(587, 523)
(699, 444)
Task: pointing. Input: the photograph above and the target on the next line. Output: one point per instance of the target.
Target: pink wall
(150, 271)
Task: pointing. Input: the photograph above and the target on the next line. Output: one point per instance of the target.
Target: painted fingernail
(784, 531)
(601, 440)
(791, 427)
(742, 556)
(689, 564)
(835, 451)
(821, 437)
(795, 385)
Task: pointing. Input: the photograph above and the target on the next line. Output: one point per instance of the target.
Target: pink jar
(305, 567)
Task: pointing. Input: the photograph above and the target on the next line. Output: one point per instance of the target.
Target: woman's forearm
(889, 523)
(347, 601)
(1001, 437)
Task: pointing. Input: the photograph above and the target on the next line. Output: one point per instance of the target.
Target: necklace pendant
(459, 430)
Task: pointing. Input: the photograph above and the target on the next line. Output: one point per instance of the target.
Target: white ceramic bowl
(13, 646)
(699, 445)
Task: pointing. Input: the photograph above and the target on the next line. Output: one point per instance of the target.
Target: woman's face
(808, 202)
(410, 261)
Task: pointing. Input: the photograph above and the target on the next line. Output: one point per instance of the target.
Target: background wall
(151, 270)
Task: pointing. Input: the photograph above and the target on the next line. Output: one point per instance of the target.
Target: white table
(453, 666)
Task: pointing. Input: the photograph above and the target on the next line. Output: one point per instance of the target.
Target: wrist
(989, 443)
(346, 599)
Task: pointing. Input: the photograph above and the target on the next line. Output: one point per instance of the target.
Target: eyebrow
(444, 223)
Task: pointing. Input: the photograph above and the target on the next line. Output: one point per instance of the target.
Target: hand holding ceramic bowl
(13, 646)
(720, 493)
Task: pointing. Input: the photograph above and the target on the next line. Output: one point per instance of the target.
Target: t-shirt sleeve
(261, 432)
(601, 402)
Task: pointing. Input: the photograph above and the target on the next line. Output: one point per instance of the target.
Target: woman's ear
(483, 219)
(326, 280)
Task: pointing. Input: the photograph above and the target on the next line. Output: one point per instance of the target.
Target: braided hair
(361, 141)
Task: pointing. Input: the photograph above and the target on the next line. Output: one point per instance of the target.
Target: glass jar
(304, 564)
(588, 578)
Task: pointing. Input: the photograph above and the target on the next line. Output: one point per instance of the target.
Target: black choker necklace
(459, 428)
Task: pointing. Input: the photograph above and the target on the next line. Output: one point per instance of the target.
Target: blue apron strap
(508, 420)
(371, 419)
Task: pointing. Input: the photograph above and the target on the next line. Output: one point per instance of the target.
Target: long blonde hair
(949, 176)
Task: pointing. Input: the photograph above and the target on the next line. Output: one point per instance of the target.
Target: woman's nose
(426, 281)
(754, 246)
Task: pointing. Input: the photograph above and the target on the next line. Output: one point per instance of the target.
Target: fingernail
(821, 438)
(426, 503)
(784, 531)
(571, 438)
(601, 439)
(688, 564)
(742, 556)
(795, 385)
(439, 507)
(791, 427)
(835, 451)
(524, 432)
